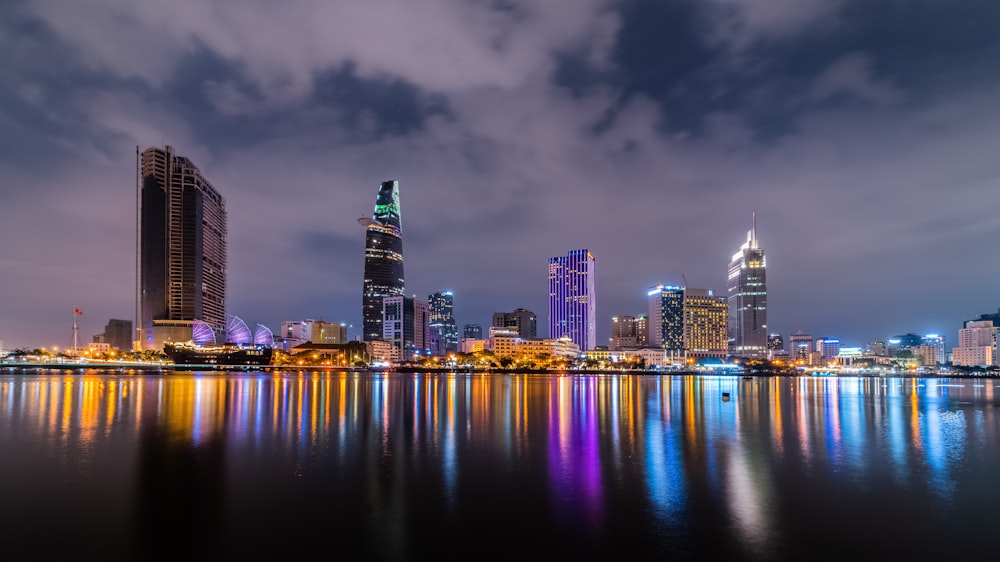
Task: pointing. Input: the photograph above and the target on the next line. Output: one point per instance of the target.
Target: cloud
(852, 75)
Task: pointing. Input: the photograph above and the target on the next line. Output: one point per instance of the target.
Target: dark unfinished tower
(383, 259)
(182, 245)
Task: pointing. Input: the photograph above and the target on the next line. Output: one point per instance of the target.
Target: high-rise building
(522, 320)
(705, 324)
(383, 258)
(572, 298)
(775, 344)
(688, 322)
(406, 325)
(748, 299)
(977, 344)
(442, 322)
(666, 317)
(938, 342)
(472, 332)
(182, 239)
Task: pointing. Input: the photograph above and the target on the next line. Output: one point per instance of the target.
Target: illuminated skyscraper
(383, 258)
(442, 319)
(666, 317)
(182, 254)
(406, 325)
(748, 299)
(572, 298)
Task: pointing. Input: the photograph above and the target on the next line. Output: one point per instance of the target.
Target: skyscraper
(748, 299)
(666, 317)
(406, 325)
(182, 239)
(572, 298)
(442, 319)
(383, 258)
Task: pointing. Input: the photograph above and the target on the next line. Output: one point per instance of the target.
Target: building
(748, 299)
(775, 345)
(523, 321)
(472, 332)
(572, 298)
(117, 334)
(182, 249)
(342, 354)
(940, 353)
(472, 345)
(442, 321)
(406, 325)
(828, 348)
(977, 345)
(799, 346)
(628, 331)
(666, 318)
(297, 332)
(383, 273)
(705, 321)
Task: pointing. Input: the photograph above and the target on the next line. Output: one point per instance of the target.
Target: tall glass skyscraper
(572, 298)
(442, 320)
(182, 249)
(748, 299)
(383, 259)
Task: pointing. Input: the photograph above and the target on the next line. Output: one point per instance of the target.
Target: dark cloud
(648, 132)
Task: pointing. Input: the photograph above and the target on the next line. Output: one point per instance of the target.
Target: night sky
(864, 134)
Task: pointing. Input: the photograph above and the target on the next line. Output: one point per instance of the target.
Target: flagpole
(74, 331)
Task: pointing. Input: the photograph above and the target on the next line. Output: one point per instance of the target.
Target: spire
(753, 231)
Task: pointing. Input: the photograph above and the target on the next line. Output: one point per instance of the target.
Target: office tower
(705, 322)
(406, 325)
(472, 332)
(748, 299)
(383, 258)
(442, 320)
(666, 317)
(118, 333)
(572, 298)
(182, 250)
(522, 320)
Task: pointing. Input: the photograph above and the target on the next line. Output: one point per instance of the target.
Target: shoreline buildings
(442, 321)
(572, 307)
(687, 323)
(182, 250)
(383, 273)
(747, 285)
(523, 321)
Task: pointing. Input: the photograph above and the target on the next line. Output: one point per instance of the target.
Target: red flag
(77, 310)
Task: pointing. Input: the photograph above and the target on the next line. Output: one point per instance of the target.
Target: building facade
(628, 331)
(523, 321)
(747, 285)
(572, 298)
(472, 332)
(442, 322)
(977, 345)
(383, 273)
(118, 334)
(182, 255)
(406, 325)
(706, 317)
(666, 317)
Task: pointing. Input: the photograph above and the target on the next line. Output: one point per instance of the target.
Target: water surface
(416, 466)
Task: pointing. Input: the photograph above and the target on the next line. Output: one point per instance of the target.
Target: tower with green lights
(383, 259)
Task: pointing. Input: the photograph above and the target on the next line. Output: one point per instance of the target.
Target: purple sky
(864, 134)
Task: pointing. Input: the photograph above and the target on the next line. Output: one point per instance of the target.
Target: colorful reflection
(664, 446)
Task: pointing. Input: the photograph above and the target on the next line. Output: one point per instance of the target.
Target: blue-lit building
(383, 259)
(666, 317)
(442, 321)
(572, 298)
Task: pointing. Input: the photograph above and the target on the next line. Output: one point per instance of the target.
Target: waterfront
(399, 466)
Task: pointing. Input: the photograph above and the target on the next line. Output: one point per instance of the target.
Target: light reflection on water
(662, 464)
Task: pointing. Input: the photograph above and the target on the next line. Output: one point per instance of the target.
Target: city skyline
(645, 131)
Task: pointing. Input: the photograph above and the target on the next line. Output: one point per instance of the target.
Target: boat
(190, 353)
